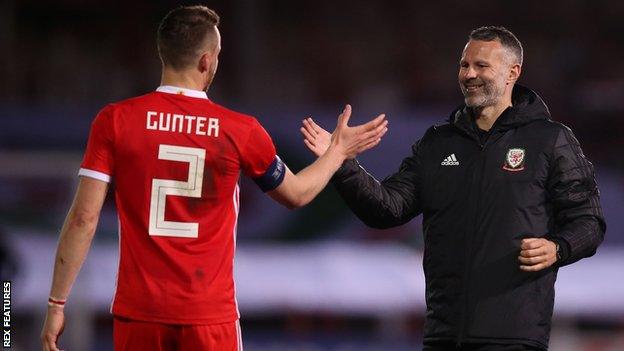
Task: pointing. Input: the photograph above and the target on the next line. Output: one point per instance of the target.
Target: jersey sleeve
(98, 161)
(260, 161)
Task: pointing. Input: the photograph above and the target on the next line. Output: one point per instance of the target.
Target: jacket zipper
(467, 267)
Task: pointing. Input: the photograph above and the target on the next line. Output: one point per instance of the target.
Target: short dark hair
(502, 34)
(182, 32)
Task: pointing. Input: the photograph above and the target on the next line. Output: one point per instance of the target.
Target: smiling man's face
(484, 70)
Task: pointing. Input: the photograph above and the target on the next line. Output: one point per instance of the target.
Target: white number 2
(195, 157)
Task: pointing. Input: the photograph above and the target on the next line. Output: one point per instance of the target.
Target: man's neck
(181, 79)
(486, 117)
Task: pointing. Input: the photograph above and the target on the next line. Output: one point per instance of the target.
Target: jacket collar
(170, 89)
(527, 107)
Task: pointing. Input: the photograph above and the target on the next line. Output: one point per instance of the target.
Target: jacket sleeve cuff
(348, 168)
(564, 250)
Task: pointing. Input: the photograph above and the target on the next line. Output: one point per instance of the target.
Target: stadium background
(316, 278)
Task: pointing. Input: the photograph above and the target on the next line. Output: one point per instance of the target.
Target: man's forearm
(73, 246)
(299, 189)
(379, 205)
(583, 236)
(575, 199)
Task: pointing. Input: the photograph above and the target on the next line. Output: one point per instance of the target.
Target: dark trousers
(451, 346)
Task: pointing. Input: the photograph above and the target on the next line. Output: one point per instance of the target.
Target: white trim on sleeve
(94, 174)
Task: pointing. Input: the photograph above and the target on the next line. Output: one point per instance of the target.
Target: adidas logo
(450, 161)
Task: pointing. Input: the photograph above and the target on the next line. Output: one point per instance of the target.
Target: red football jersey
(175, 159)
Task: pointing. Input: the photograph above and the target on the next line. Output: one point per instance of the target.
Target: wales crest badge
(514, 161)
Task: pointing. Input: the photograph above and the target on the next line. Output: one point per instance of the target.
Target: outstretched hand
(349, 140)
(315, 137)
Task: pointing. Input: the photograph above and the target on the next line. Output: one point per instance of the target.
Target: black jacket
(479, 200)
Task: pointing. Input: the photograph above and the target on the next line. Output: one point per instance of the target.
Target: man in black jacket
(507, 198)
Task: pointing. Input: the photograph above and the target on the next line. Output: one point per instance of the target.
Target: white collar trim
(170, 89)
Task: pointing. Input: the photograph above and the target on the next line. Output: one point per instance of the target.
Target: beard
(479, 93)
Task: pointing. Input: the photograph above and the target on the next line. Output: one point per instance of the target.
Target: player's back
(175, 161)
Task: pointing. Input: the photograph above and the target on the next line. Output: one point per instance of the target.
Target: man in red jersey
(175, 158)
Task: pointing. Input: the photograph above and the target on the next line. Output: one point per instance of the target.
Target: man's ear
(204, 61)
(514, 73)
